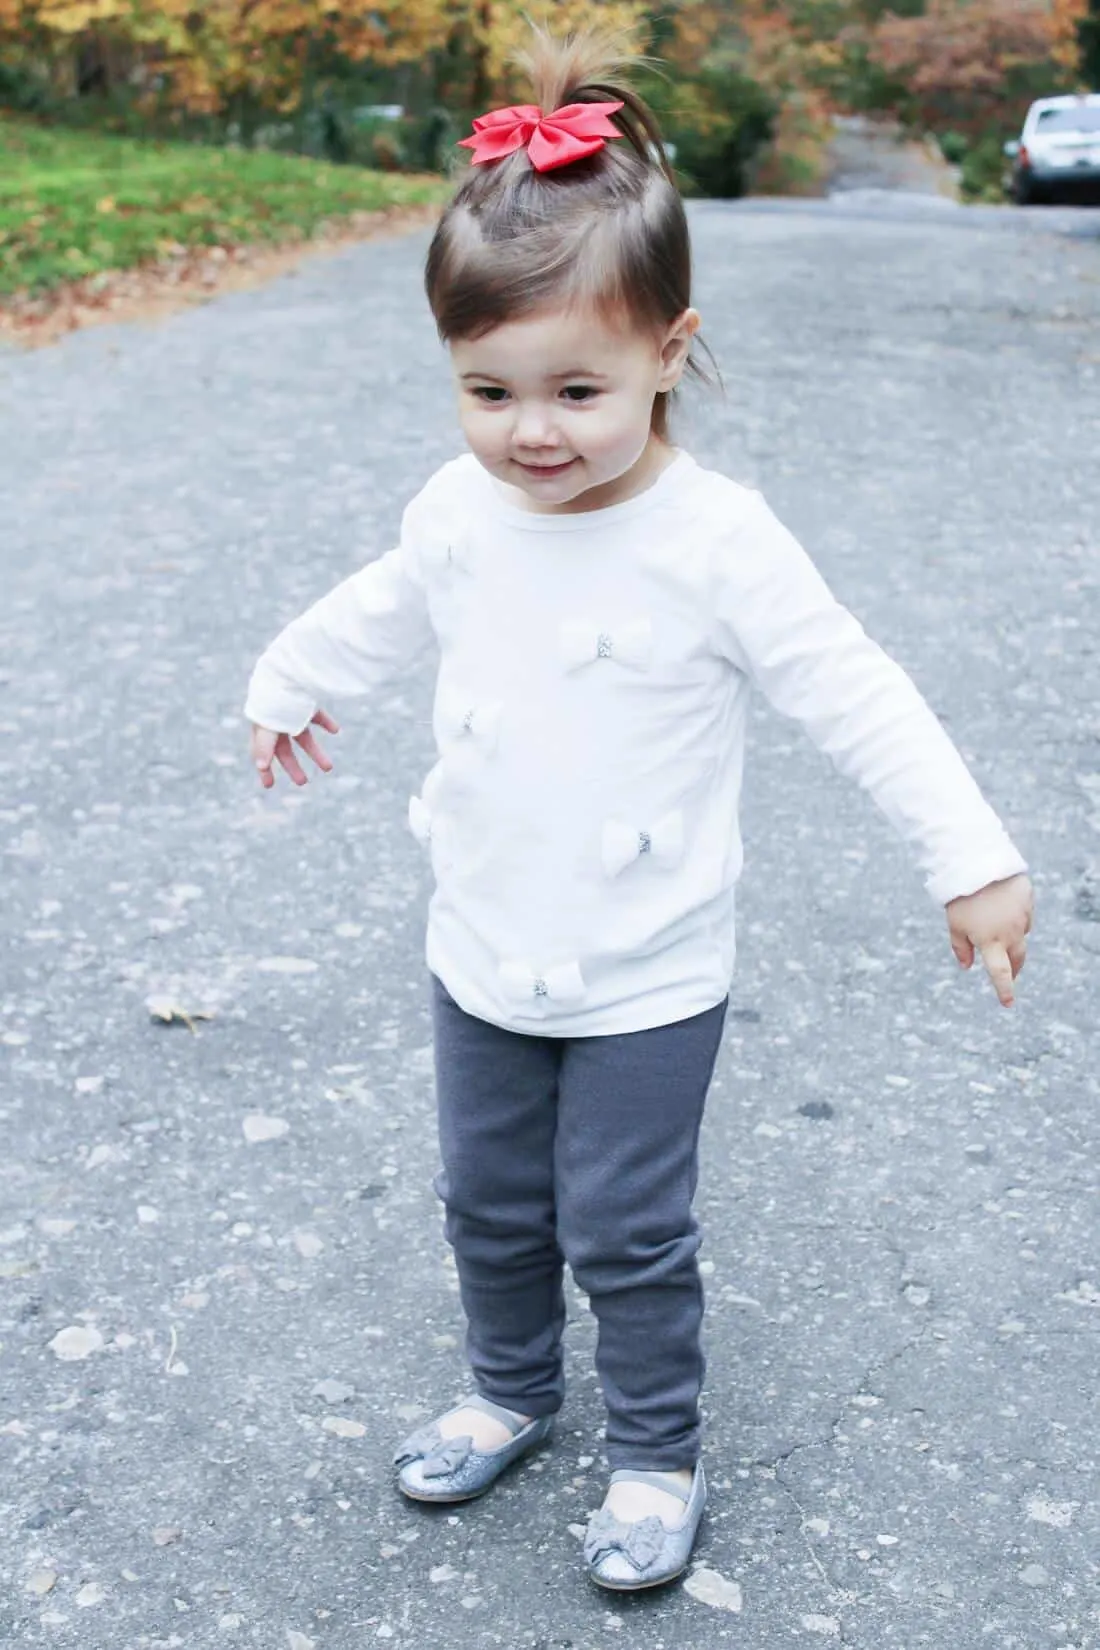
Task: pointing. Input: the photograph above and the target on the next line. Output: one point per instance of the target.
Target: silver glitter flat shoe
(434, 1468)
(648, 1552)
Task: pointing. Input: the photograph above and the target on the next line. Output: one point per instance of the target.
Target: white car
(1058, 150)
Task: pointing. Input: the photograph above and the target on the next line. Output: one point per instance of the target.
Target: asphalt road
(225, 1290)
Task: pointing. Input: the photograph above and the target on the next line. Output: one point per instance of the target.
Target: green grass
(76, 203)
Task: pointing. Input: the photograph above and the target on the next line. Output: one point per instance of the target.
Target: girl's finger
(999, 969)
(284, 753)
(1017, 955)
(263, 749)
(324, 720)
(313, 749)
(963, 950)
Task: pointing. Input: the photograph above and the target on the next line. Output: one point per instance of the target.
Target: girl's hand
(266, 746)
(995, 922)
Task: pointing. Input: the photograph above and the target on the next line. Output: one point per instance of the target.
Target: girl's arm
(364, 632)
(778, 621)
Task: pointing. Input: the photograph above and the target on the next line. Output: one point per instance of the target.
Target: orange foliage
(969, 64)
(1066, 46)
(222, 50)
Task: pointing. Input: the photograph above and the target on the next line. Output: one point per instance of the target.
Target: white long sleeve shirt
(590, 717)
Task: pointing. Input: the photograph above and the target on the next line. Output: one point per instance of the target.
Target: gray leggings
(579, 1149)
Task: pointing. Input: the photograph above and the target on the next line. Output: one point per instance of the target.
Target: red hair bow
(570, 133)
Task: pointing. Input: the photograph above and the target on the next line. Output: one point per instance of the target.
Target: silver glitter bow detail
(462, 721)
(417, 1445)
(446, 555)
(447, 1457)
(582, 643)
(524, 984)
(439, 1455)
(430, 830)
(640, 1543)
(623, 844)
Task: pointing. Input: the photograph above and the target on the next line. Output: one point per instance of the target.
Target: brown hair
(608, 231)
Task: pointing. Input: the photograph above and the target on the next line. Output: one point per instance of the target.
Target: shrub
(717, 121)
(953, 147)
(983, 169)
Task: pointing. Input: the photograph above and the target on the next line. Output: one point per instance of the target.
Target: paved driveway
(225, 1291)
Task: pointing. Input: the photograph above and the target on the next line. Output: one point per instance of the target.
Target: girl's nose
(534, 427)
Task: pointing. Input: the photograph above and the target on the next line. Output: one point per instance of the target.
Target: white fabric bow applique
(524, 984)
(582, 643)
(463, 721)
(623, 844)
(429, 829)
(446, 555)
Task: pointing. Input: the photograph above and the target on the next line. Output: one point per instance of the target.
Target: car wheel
(1026, 192)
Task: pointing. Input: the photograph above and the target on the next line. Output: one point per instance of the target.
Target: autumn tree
(1084, 42)
(970, 67)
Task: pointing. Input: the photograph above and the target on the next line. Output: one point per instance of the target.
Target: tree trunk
(1088, 40)
(481, 85)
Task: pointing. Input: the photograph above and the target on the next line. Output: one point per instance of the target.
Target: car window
(1069, 120)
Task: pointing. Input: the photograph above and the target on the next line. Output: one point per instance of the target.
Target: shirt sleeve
(365, 632)
(779, 623)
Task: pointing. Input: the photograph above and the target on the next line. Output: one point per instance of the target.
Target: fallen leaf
(76, 1342)
(163, 1008)
(18, 1268)
(258, 1127)
(711, 1588)
(342, 1427)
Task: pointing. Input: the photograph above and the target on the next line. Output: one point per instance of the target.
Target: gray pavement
(225, 1291)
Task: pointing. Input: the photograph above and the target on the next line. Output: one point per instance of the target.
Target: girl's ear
(676, 347)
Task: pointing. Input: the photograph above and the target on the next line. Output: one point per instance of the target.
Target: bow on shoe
(640, 1543)
(439, 1455)
(418, 1445)
(567, 134)
(447, 1457)
(480, 724)
(524, 984)
(629, 644)
(623, 844)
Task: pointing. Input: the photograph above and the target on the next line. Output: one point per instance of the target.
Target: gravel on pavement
(225, 1291)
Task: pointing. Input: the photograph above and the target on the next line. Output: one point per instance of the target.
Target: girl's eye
(579, 392)
(492, 393)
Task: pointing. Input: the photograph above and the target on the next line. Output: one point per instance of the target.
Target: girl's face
(558, 405)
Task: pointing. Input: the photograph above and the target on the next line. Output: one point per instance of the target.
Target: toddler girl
(602, 605)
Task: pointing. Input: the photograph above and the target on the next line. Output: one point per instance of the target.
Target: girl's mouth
(546, 469)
